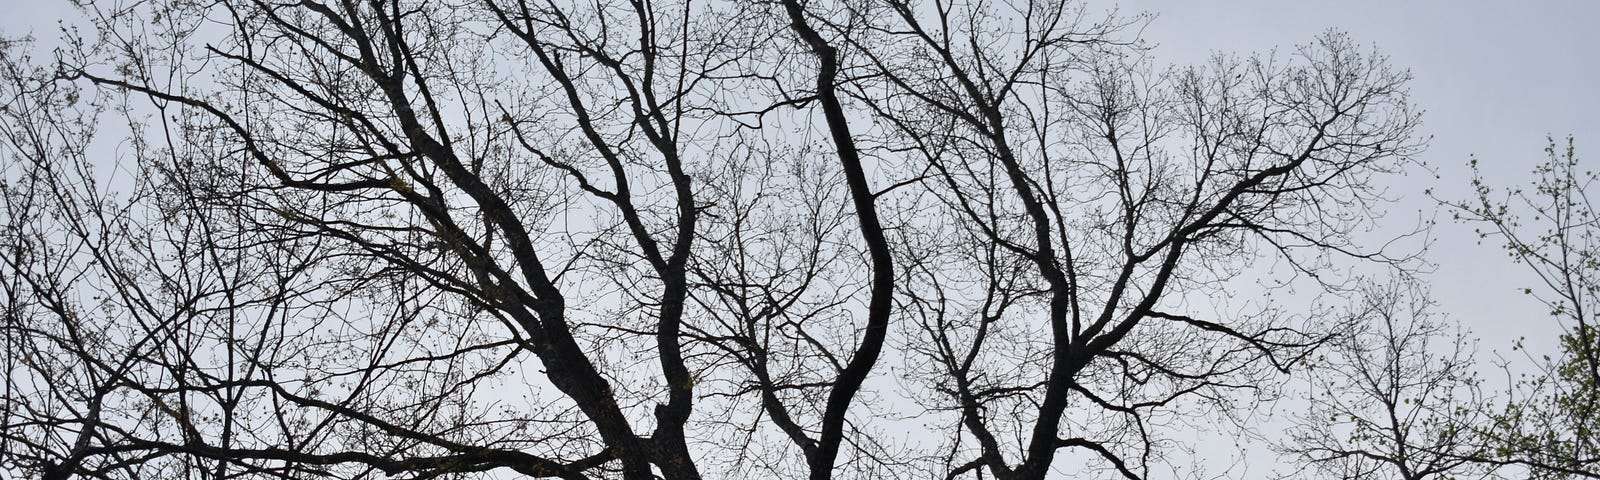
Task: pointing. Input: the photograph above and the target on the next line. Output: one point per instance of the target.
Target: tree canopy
(831, 239)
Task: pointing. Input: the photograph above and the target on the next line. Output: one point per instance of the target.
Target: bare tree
(1387, 401)
(1083, 197)
(660, 239)
(1395, 396)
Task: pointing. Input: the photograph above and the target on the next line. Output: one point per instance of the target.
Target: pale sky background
(1494, 78)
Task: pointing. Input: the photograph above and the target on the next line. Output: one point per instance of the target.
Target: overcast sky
(1494, 78)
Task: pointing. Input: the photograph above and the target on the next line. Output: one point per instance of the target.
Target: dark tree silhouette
(345, 238)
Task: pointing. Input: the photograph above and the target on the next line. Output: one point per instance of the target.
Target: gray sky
(1494, 78)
